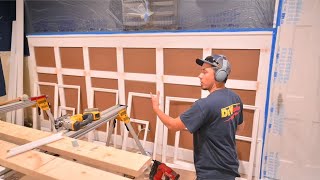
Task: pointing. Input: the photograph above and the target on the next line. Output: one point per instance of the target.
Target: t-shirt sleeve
(193, 118)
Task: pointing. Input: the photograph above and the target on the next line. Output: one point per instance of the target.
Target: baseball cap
(216, 60)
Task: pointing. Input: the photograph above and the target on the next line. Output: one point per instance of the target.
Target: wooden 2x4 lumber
(43, 166)
(95, 155)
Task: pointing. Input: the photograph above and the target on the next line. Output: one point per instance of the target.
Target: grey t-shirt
(213, 121)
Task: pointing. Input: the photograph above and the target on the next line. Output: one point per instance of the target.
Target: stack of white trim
(16, 64)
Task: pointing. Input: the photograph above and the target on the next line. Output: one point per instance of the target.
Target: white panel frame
(92, 136)
(37, 92)
(176, 163)
(248, 168)
(66, 109)
(138, 121)
(61, 86)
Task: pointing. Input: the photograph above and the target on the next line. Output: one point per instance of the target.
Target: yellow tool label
(43, 104)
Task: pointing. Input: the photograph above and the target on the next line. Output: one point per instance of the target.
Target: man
(212, 120)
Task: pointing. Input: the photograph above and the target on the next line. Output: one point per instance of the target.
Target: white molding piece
(57, 57)
(185, 165)
(19, 33)
(91, 135)
(12, 89)
(37, 92)
(146, 129)
(254, 141)
(145, 122)
(168, 40)
(72, 72)
(66, 109)
(140, 77)
(104, 74)
(34, 144)
(194, 81)
(87, 74)
(159, 88)
(61, 86)
(46, 70)
(181, 80)
(121, 84)
(34, 75)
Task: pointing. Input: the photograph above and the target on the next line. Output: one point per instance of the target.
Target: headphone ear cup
(221, 75)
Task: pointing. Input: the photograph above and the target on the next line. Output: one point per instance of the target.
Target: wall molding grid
(205, 42)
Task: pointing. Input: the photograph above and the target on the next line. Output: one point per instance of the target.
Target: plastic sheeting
(144, 15)
(291, 149)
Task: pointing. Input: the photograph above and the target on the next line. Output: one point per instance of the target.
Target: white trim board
(257, 40)
(92, 134)
(36, 92)
(170, 79)
(61, 86)
(66, 109)
(138, 121)
(185, 165)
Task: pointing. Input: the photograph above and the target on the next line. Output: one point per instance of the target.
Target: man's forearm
(165, 119)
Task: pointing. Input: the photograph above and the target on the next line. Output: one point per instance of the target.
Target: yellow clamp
(43, 103)
(122, 116)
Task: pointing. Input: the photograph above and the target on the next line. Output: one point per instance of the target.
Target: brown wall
(143, 60)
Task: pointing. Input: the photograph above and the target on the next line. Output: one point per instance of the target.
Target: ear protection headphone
(221, 73)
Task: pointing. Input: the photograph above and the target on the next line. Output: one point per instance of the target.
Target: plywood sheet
(181, 62)
(47, 78)
(245, 129)
(182, 91)
(71, 57)
(45, 56)
(104, 83)
(244, 62)
(138, 60)
(103, 59)
(102, 157)
(247, 97)
(243, 150)
(39, 165)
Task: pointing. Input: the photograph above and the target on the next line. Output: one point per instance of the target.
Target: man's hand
(155, 101)
(172, 123)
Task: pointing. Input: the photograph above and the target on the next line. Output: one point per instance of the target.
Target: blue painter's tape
(274, 38)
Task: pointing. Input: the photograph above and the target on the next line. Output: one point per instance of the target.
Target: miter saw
(77, 121)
